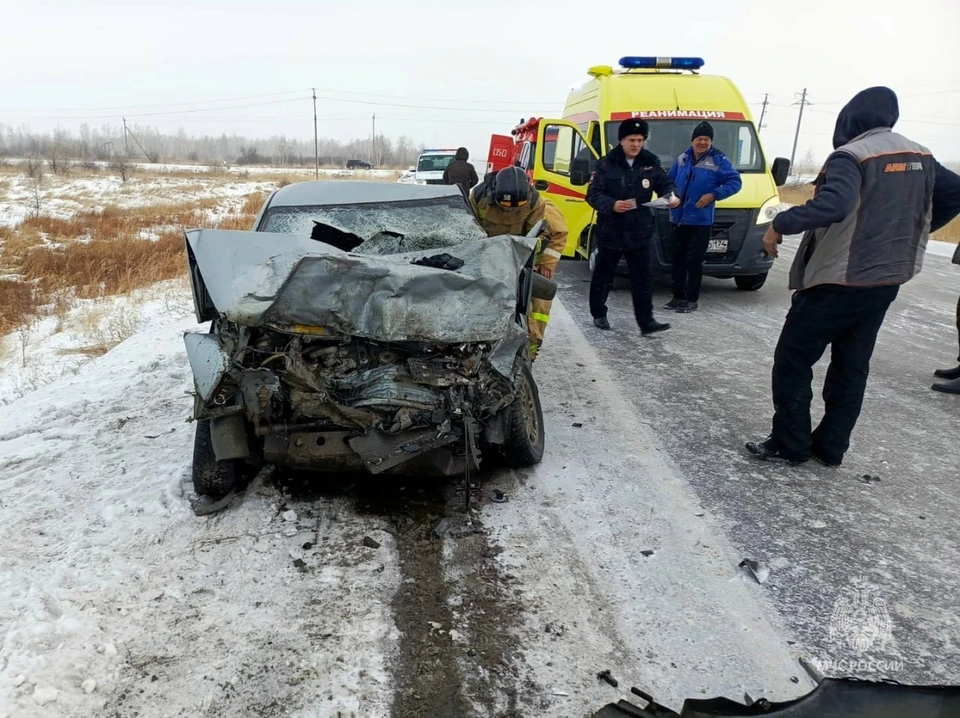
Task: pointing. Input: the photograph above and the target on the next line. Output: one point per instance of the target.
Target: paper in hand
(660, 202)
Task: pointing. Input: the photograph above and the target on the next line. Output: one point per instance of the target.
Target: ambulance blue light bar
(668, 63)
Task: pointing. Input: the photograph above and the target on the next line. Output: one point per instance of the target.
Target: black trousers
(958, 324)
(848, 319)
(689, 248)
(639, 263)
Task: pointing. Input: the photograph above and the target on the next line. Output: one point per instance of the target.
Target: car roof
(321, 192)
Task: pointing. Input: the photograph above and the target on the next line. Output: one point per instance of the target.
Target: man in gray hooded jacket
(875, 202)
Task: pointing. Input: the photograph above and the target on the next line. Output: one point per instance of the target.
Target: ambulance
(673, 97)
(431, 165)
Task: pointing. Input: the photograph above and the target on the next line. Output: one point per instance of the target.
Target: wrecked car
(361, 326)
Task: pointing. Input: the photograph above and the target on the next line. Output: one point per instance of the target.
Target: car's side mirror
(781, 168)
(579, 172)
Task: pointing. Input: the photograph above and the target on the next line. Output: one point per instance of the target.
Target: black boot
(673, 303)
(948, 373)
(652, 327)
(687, 307)
(601, 322)
(767, 450)
(948, 387)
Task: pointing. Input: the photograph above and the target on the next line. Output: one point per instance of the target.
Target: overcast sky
(450, 73)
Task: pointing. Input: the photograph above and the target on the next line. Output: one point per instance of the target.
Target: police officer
(505, 203)
(624, 179)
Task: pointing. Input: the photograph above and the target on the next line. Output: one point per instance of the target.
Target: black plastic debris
(299, 563)
(757, 571)
(440, 261)
(442, 527)
(499, 497)
(868, 479)
(307, 546)
(607, 678)
(370, 543)
(647, 552)
(577, 425)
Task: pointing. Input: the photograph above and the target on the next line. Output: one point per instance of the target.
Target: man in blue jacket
(703, 176)
(865, 232)
(623, 181)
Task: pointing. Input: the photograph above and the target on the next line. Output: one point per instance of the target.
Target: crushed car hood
(264, 278)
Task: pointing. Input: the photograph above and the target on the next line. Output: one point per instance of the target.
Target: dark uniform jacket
(615, 180)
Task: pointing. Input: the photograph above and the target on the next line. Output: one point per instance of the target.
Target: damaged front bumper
(315, 400)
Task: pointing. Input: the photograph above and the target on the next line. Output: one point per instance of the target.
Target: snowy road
(704, 386)
(618, 552)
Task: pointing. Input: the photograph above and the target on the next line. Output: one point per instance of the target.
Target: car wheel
(211, 477)
(524, 422)
(751, 283)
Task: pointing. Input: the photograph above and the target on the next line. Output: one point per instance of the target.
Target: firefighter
(506, 203)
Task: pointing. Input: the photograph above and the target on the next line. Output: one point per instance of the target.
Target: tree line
(146, 144)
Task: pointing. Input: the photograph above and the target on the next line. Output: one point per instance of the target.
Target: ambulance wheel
(524, 440)
(751, 283)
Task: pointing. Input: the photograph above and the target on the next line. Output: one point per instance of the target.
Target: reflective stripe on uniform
(552, 253)
(545, 318)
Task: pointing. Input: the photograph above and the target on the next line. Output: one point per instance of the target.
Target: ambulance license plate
(717, 246)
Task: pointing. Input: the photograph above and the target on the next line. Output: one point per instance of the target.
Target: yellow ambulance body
(673, 97)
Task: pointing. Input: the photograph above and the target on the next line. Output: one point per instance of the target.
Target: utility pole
(796, 136)
(762, 113)
(126, 149)
(316, 140)
(373, 142)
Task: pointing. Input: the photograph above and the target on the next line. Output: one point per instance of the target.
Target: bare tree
(122, 166)
(34, 167)
(59, 156)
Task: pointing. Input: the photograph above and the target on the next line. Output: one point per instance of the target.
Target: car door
(558, 144)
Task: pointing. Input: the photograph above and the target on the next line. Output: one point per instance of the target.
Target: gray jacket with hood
(875, 202)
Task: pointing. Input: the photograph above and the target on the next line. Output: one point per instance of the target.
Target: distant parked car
(359, 165)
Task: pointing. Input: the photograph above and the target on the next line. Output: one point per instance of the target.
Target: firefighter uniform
(497, 220)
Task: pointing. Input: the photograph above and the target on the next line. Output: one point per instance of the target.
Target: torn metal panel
(386, 388)
(264, 277)
(381, 452)
(208, 361)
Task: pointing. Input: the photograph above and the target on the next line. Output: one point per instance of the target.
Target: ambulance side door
(558, 144)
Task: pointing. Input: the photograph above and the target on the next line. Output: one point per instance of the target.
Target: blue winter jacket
(713, 174)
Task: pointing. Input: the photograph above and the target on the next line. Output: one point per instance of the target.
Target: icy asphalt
(832, 540)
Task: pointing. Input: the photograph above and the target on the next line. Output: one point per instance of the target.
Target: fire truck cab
(671, 94)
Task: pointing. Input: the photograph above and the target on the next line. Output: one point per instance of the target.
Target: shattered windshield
(383, 227)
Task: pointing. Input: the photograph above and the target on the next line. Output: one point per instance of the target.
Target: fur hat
(633, 126)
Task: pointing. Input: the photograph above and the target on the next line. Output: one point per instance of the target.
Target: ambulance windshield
(669, 138)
